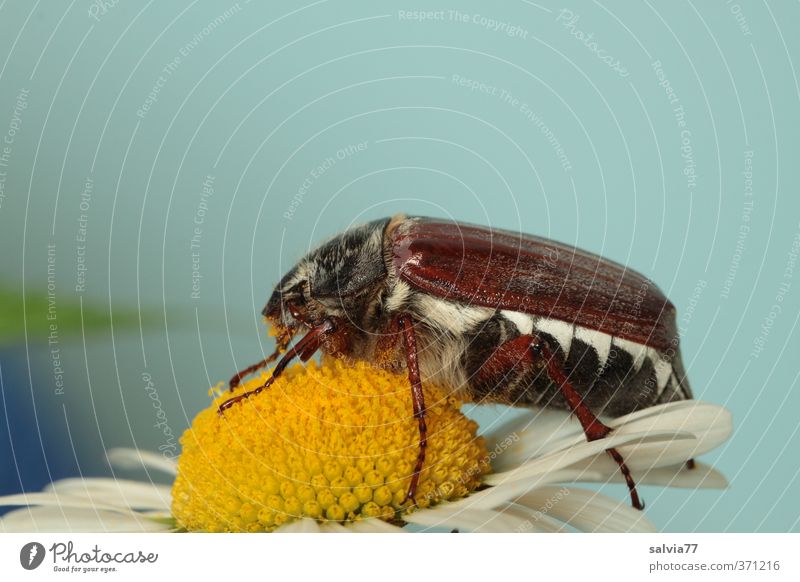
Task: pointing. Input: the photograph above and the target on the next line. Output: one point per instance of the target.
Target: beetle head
(335, 281)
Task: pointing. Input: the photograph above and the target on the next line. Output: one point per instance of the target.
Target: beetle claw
(409, 497)
(231, 401)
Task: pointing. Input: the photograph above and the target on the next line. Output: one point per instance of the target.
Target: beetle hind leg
(514, 359)
(592, 426)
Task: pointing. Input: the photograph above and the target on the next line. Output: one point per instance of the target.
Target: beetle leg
(526, 351)
(234, 382)
(592, 427)
(305, 348)
(282, 342)
(418, 399)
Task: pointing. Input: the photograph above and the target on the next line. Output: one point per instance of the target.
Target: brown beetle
(499, 316)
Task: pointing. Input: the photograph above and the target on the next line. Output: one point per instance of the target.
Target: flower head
(332, 443)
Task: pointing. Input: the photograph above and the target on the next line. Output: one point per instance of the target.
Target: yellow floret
(332, 442)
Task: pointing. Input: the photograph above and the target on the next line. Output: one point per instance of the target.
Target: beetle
(497, 315)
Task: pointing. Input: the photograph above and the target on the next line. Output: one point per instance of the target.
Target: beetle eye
(280, 299)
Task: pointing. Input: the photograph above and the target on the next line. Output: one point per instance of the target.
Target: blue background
(507, 115)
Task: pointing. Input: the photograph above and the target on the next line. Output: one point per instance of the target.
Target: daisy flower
(332, 447)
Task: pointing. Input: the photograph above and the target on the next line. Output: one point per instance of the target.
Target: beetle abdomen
(614, 376)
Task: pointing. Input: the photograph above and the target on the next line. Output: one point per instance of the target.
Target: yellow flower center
(330, 442)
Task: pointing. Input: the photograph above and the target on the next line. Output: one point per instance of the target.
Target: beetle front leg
(237, 378)
(305, 348)
(282, 343)
(418, 398)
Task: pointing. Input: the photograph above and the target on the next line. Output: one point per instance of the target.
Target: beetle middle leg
(528, 350)
(418, 398)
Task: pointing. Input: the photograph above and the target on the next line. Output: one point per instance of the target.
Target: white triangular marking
(663, 370)
(560, 330)
(523, 321)
(601, 342)
(637, 351)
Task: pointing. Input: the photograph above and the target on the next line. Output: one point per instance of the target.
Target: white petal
(52, 500)
(543, 433)
(333, 527)
(531, 435)
(586, 510)
(136, 459)
(375, 525)
(476, 520)
(535, 520)
(305, 525)
(73, 519)
(657, 410)
(605, 470)
(507, 490)
(563, 459)
(49, 499)
(710, 424)
(116, 492)
(500, 495)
